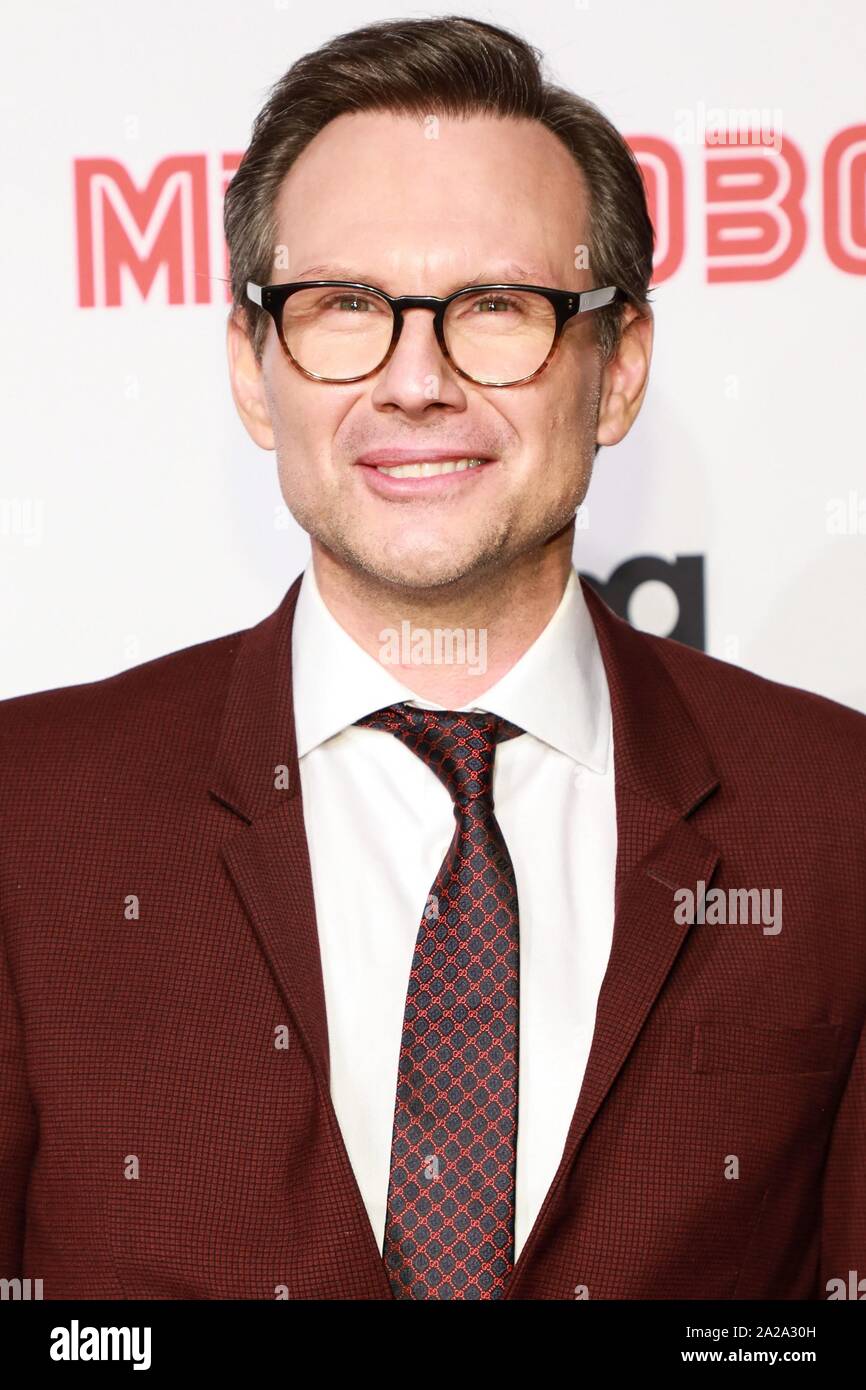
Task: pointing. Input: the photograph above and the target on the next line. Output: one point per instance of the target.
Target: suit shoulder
(174, 695)
(732, 704)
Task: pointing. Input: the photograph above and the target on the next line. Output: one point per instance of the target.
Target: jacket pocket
(748, 1048)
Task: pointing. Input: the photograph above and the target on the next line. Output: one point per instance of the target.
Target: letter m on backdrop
(141, 230)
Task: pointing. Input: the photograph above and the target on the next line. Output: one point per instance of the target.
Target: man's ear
(247, 381)
(625, 376)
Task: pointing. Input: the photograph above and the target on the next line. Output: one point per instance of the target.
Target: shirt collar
(557, 690)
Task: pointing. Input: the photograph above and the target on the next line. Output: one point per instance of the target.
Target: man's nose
(417, 371)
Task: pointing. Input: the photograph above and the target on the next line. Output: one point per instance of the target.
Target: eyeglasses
(494, 335)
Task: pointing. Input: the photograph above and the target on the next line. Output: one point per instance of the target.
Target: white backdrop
(135, 515)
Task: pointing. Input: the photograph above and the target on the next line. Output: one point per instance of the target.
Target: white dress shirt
(379, 823)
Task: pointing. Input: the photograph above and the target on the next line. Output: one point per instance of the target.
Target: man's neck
(450, 644)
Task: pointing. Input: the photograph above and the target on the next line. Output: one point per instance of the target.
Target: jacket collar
(659, 752)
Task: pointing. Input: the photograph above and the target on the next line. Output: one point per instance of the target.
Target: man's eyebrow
(507, 273)
(331, 271)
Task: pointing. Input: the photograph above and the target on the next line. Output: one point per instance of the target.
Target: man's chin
(411, 569)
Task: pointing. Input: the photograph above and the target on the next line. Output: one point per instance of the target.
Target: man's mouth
(398, 474)
(428, 469)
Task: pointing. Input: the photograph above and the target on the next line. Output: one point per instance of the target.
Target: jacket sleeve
(17, 1126)
(843, 1215)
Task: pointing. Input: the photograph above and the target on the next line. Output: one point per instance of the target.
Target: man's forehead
(476, 166)
(461, 221)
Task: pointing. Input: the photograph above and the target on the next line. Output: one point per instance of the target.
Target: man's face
(374, 199)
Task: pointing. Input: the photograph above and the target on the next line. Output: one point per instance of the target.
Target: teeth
(429, 470)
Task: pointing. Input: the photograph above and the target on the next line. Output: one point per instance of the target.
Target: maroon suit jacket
(159, 931)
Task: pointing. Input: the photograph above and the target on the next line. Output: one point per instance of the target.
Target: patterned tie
(449, 1231)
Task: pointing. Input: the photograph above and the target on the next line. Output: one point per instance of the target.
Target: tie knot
(459, 747)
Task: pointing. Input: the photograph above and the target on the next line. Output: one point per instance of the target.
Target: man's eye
(350, 302)
(494, 304)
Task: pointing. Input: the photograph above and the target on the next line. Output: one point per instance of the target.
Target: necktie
(449, 1230)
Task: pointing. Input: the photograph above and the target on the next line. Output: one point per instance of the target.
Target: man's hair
(451, 66)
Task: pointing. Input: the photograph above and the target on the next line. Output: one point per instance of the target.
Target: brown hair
(451, 66)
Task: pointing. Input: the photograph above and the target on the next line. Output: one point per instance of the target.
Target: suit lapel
(256, 775)
(662, 773)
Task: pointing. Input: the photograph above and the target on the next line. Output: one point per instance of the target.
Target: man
(395, 947)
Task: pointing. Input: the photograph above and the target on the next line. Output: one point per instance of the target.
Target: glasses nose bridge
(419, 301)
(437, 304)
